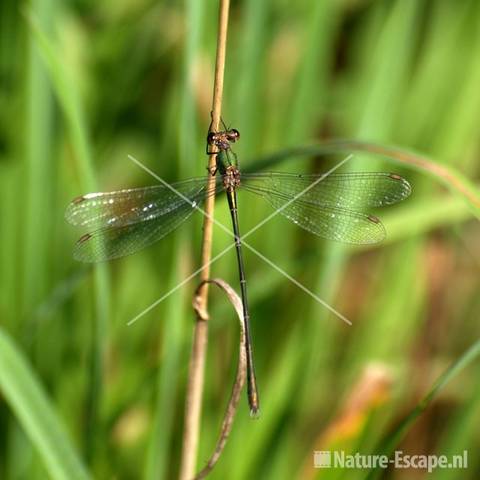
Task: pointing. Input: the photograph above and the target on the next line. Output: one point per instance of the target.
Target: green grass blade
(167, 403)
(34, 411)
(389, 443)
(66, 91)
(39, 171)
(460, 435)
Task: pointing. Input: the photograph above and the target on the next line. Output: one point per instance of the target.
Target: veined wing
(326, 221)
(350, 191)
(135, 219)
(125, 207)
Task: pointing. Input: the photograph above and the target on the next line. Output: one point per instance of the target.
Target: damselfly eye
(211, 138)
(235, 134)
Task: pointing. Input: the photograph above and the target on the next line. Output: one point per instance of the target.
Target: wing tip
(70, 211)
(404, 182)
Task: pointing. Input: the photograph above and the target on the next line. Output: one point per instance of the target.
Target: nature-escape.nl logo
(340, 459)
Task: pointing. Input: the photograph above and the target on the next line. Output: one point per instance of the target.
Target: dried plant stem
(240, 377)
(193, 404)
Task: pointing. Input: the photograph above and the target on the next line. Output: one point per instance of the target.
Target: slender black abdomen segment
(252, 390)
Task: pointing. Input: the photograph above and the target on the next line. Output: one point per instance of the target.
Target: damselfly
(332, 206)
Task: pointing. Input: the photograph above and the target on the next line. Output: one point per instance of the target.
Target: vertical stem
(193, 404)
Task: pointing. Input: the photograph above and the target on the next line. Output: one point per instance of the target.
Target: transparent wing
(134, 219)
(326, 221)
(125, 207)
(113, 242)
(350, 191)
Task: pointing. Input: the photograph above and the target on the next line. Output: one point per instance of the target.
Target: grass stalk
(193, 405)
(67, 94)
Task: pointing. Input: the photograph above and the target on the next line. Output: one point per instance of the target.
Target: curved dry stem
(232, 406)
(193, 402)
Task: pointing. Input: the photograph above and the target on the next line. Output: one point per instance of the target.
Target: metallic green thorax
(224, 161)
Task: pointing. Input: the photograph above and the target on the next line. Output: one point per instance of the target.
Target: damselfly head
(233, 135)
(211, 137)
(223, 139)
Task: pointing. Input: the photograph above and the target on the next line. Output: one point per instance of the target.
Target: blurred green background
(83, 84)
